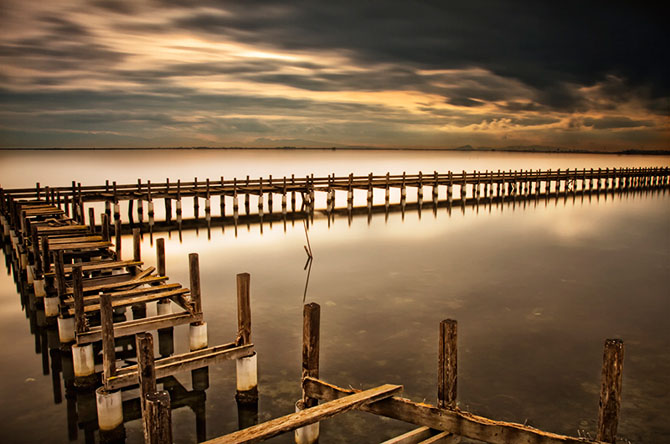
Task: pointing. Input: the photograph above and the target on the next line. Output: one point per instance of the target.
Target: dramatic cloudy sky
(334, 73)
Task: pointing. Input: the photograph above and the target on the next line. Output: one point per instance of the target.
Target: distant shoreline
(520, 149)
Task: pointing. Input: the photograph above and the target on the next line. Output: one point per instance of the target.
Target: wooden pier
(77, 279)
(296, 197)
(69, 268)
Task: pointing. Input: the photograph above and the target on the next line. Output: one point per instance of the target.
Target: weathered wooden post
(38, 270)
(91, 219)
(117, 239)
(158, 417)
(164, 306)
(198, 330)
(109, 402)
(247, 368)
(236, 204)
(196, 204)
(310, 368)
(610, 391)
(137, 245)
(222, 200)
(150, 204)
(146, 373)
(104, 224)
(82, 355)
(246, 198)
(447, 365)
(419, 191)
(260, 197)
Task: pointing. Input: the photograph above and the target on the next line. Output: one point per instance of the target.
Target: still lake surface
(536, 289)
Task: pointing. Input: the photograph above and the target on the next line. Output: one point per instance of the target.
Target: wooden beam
(139, 325)
(447, 365)
(194, 275)
(243, 309)
(108, 346)
(453, 421)
(305, 417)
(310, 347)
(144, 344)
(127, 376)
(610, 390)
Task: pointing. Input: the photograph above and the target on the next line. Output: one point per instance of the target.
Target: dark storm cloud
(616, 122)
(545, 45)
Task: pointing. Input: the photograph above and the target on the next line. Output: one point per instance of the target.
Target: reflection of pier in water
(75, 290)
(433, 206)
(81, 403)
(297, 196)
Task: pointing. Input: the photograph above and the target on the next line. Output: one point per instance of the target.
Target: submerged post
(158, 418)
(447, 365)
(310, 368)
(610, 391)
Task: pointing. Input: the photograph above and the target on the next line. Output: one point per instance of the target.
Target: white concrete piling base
(84, 365)
(197, 336)
(247, 373)
(66, 330)
(308, 434)
(51, 307)
(110, 408)
(38, 286)
(164, 308)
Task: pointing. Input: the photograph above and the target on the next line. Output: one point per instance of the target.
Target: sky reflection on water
(536, 289)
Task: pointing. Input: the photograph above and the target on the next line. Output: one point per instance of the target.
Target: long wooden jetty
(297, 195)
(74, 277)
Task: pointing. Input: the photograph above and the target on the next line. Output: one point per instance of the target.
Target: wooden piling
(117, 239)
(146, 373)
(160, 256)
(447, 365)
(104, 222)
(243, 309)
(610, 390)
(194, 275)
(137, 254)
(78, 295)
(91, 219)
(158, 417)
(107, 327)
(310, 347)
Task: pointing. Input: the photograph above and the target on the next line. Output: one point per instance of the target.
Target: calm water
(536, 289)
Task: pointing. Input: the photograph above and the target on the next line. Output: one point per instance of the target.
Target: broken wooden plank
(453, 421)
(70, 240)
(89, 300)
(140, 325)
(126, 302)
(105, 265)
(130, 283)
(308, 416)
(82, 246)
